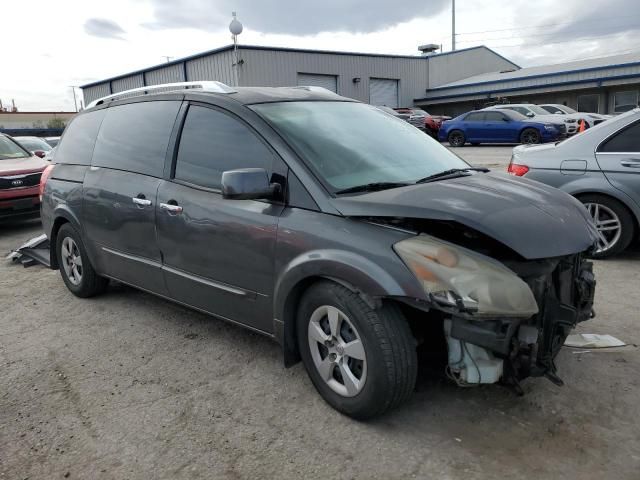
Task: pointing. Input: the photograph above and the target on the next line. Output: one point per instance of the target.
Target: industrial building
(599, 85)
(390, 80)
(446, 83)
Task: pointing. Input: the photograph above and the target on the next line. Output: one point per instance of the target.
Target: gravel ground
(129, 386)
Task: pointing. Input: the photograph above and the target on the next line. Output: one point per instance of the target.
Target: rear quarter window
(134, 137)
(76, 145)
(625, 141)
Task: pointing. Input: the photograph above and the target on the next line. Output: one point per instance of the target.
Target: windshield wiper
(372, 187)
(453, 172)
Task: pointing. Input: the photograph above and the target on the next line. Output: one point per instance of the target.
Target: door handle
(171, 208)
(631, 163)
(143, 202)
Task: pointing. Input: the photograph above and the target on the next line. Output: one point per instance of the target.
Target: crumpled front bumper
(564, 289)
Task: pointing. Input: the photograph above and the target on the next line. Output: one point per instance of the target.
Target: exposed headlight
(454, 276)
(550, 127)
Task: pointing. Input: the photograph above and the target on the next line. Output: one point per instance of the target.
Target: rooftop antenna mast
(235, 27)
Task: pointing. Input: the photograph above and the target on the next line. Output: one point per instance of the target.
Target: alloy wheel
(607, 223)
(337, 351)
(71, 260)
(530, 137)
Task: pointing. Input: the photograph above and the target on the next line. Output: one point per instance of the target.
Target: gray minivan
(347, 235)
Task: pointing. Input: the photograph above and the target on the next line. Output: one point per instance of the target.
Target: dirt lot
(128, 386)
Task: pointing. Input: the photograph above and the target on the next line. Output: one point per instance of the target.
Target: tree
(56, 123)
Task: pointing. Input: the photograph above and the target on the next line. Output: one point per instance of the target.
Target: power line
(547, 25)
(535, 35)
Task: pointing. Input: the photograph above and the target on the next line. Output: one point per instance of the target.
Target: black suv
(339, 231)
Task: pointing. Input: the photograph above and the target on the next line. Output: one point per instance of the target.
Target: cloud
(103, 28)
(294, 17)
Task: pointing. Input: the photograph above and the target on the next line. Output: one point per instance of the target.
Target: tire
(530, 136)
(386, 372)
(608, 210)
(79, 276)
(456, 138)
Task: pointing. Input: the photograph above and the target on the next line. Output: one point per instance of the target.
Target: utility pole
(453, 25)
(73, 89)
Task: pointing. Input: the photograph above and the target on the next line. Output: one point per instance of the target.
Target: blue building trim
(597, 81)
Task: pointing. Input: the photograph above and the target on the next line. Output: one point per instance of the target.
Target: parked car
(590, 119)
(424, 120)
(492, 126)
(19, 180)
(52, 141)
(538, 114)
(293, 212)
(601, 168)
(35, 145)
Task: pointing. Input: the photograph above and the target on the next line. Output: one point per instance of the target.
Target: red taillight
(517, 169)
(43, 179)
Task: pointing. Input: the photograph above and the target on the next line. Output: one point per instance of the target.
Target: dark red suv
(20, 173)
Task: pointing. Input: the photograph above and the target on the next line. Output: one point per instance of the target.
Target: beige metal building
(390, 80)
(22, 120)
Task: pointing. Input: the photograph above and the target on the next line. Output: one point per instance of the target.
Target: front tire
(530, 136)
(75, 268)
(362, 361)
(456, 138)
(614, 223)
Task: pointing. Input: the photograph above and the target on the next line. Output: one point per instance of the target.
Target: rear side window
(134, 137)
(474, 117)
(627, 140)
(76, 145)
(494, 116)
(213, 142)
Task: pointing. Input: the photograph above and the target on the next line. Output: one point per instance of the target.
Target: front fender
(350, 269)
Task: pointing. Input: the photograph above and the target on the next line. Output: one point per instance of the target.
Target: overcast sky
(50, 45)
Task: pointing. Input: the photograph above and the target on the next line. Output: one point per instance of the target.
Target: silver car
(600, 167)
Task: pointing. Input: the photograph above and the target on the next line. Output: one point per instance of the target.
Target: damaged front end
(503, 320)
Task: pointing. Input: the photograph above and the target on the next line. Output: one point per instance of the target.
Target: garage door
(330, 82)
(383, 91)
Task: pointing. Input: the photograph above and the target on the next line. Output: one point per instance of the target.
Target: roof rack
(206, 86)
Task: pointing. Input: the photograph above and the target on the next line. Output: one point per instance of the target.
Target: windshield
(350, 144)
(567, 109)
(10, 149)
(33, 144)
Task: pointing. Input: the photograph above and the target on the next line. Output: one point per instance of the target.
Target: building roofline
(539, 75)
(530, 87)
(282, 49)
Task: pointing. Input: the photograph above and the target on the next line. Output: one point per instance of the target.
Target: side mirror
(248, 184)
(39, 153)
(506, 119)
(531, 114)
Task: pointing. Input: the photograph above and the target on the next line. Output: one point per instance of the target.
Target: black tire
(627, 224)
(89, 282)
(456, 138)
(530, 136)
(389, 346)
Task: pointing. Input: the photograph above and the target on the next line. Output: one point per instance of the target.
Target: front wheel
(530, 136)
(456, 138)
(613, 222)
(361, 360)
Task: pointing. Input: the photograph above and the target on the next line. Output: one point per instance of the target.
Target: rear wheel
(76, 270)
(456, 138)
(362, 361)
(613, 221)
(530, 136)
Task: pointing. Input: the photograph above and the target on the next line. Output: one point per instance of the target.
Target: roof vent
(428, 49)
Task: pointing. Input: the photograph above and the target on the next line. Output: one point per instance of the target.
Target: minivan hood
(15, 166)
(533, 219)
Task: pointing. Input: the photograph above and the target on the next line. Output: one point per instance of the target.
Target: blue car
(492, 126)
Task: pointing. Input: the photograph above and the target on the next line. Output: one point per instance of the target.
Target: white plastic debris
(592, 340)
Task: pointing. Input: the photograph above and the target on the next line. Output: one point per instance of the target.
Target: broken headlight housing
(456, 277)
